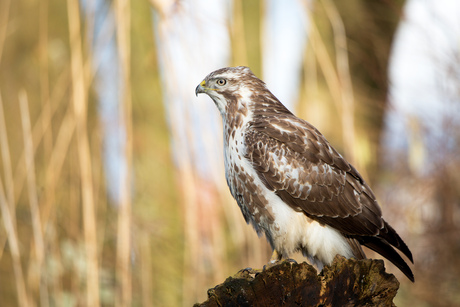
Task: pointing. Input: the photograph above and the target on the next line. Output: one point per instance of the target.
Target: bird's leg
(275, 257)
(274, 260)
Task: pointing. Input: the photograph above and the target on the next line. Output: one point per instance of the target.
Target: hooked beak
(200, 88)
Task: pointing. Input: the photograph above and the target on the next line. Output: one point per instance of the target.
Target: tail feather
(356, 248)
(384, 248)
(392, 237)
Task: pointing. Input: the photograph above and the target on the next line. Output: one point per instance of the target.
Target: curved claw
(290, 260)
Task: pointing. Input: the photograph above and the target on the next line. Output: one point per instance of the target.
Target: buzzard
(290, 183)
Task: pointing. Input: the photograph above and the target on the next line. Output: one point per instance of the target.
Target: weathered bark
(347, 282)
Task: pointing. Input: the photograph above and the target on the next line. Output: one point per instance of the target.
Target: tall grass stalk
(337, 75)
(35, 276)
(124, 246)
(6, 160)
(40, 126)
(4, 14)
(343, 74)
(9, 219)
(56, 161)
(80, 104)
(14, 249)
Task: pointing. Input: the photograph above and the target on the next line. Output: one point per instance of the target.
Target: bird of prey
(290, 183)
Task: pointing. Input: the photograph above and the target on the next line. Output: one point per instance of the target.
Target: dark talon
(292, 261)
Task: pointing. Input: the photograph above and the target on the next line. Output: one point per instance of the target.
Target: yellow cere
(203, 83)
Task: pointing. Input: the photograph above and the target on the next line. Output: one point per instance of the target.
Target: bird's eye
(221, 82)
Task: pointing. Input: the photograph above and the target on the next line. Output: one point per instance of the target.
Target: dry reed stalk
(56, 161)
(46, 111)
(39, 129)
(325, 63)
(79, 99)
(123, 18)
(146, 270)
(197, 199)
(42, 124)
(6, 159)
(186, 183)
(216, 232)
(14, 249)
(338, 80)
(8, 215)
(44, 78)
(36, 276)
(311, 84)
(192, 277)
(240, 50)
(343, 73)
(4, 13)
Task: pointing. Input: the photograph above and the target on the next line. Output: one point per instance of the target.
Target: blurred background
(112, 189)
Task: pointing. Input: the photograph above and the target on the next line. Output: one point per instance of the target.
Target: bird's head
(229, 85)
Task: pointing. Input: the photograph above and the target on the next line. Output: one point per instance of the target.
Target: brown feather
(356, 247)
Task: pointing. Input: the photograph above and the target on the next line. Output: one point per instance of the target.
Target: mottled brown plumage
(290, 183)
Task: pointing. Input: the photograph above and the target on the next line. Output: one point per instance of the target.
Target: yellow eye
(221, 82)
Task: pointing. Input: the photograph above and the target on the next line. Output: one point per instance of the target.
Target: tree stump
(347, 282)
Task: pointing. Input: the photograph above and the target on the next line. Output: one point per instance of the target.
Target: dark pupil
(221, 82)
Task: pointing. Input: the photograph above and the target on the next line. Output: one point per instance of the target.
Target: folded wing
(294, 160)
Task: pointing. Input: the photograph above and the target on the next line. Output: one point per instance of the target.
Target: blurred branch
(79, 92)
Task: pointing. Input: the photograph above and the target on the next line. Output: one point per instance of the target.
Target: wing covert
(295, 161)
